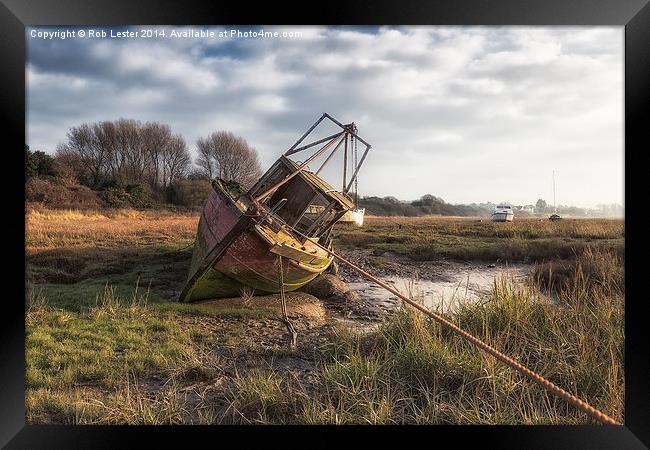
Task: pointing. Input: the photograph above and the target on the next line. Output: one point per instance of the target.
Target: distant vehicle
(503, 213)
(554, 217)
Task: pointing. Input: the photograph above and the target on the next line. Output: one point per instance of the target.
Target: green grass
(72, 278)
(115, 337)
(84, 367)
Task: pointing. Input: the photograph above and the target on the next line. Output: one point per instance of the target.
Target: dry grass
(46, 229)
(127, 404)
(72, 255)
(430, 238)
(519, 228)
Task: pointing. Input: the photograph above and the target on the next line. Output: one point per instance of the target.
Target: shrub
(57, 195)
(38, 163)
(66, 172)
(427, 205)
(119, 194)
(190, 193)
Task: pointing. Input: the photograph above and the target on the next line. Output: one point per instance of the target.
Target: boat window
(315, 211)
(310, 204)
(299, 195)
(276, 173)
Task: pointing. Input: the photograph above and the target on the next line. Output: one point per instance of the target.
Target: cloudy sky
(469, 114)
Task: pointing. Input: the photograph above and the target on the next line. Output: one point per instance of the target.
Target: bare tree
(224, 155)
(92, 154)
(175, 160)
(205, 161)
(155, 138)
(68, 167)
(105, 134)
(146, 154)
(130, 155)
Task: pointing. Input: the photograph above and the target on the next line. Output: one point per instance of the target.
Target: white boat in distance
(355, 216)
(503, 213)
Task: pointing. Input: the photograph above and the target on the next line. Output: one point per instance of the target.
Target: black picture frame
(15, 15)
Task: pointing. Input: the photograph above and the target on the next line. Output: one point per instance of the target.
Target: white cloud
(268, 104)
(444, 107)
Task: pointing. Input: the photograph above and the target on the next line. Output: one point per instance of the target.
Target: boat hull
(354, 216)
(502, 217)
(233, 254)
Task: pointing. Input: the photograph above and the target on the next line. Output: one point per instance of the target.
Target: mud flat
(439, 285)
(299, 304)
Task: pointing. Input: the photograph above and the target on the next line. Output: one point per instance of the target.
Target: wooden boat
(261, 240)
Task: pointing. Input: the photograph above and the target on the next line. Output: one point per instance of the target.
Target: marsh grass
(93, 348)
(413, 371)
(130, 405)
(531, 240)
(603, 272)
(409, 371)
(108, 228)
(260, 397)
(127, 404)
(90, 366)
(108, 304)
(106, 341)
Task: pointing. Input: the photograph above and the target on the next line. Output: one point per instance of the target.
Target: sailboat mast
(554, 205)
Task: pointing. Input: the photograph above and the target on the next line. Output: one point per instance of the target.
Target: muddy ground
(237, 345)
(440, 284)
(348, 299)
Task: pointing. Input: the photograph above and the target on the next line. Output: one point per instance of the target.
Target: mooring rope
(546, 384)
(283, 300)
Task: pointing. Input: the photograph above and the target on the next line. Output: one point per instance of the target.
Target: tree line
(431, 205)
(135, 152)
(128, 161)
(426, 205)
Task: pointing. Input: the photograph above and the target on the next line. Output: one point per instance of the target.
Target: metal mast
(554, 206)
